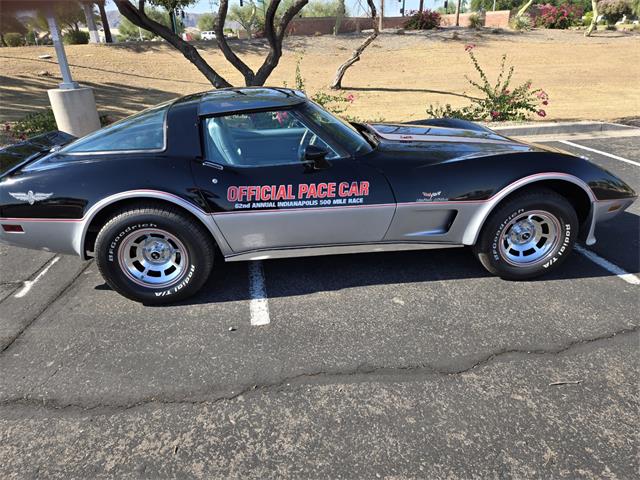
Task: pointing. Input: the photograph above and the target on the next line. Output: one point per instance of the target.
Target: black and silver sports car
(258, 173)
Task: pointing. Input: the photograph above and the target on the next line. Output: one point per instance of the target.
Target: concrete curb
(556, 128)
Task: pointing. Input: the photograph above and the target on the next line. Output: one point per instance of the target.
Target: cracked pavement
(396, 365)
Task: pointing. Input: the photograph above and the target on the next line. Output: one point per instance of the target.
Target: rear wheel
(154, 255)
(529, 235)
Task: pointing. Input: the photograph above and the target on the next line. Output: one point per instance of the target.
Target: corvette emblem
(30, 196)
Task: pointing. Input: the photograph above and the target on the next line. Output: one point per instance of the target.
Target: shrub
(614, 10)
(37, 123)
(475, 21)
(13, 39)
(34, 124)
(30, 38)
(587, 19)
(560, 17)
(523, 22)
(425, 20)
(75, 37)
(498, 101)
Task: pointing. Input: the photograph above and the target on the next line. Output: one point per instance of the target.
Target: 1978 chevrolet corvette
(261, 173)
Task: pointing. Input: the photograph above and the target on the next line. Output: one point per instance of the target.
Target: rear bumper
(59, 236)
(604, 210)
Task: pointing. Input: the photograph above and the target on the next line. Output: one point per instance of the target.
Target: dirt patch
(594, 78)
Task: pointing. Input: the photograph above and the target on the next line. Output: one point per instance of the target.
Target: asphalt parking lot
(390, 365)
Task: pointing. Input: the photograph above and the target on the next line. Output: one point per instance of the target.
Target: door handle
(217, 166)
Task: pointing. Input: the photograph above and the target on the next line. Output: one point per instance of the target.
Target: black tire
(498, 243)
(167, 233)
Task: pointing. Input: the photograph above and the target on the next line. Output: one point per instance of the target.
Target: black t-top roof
(228, 100)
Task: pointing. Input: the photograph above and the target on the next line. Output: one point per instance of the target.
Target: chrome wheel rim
(529, 238)
(153, 258)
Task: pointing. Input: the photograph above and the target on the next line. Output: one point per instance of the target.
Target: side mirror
(316, 156)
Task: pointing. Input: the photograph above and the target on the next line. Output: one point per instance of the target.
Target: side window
(144, 131)
(259, 139)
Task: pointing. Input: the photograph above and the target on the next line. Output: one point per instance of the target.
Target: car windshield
(344, 134)
(142, 131)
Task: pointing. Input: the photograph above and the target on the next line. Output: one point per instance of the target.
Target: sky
(392, 7)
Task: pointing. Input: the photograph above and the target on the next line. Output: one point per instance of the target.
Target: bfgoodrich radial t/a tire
(154, 255)
(529, 235)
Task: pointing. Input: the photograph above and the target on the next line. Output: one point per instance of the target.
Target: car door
(263, 196)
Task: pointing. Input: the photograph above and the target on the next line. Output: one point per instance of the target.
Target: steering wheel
(309, 138)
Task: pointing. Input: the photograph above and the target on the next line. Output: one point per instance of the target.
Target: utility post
(74, 107)
(381, 25)
(421, 6)
(458, 13)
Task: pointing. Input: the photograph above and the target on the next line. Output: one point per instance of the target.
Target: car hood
(445, 143)
(19, 154)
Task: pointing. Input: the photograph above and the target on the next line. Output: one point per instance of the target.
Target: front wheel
(154, 255)
(529, 235)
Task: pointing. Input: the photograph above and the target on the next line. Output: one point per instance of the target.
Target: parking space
(619, 240)
(408, 364)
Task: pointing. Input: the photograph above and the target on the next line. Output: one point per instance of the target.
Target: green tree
(206, 22)
(10, 24)
(128, 31)
(477, 5)
(69, 16)
(325, 8)
(246, 16)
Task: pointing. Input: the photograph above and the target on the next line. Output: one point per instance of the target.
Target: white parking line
(28, 284)
(607, 265)
(599, 152)
(259, 304)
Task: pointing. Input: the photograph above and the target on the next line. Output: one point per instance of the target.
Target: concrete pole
(94, 37)
(67, 81)
(74, 107)
(381, 15)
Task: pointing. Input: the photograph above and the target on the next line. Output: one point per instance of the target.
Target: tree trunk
(594, 19)
(339, 17)
(275, 36)
(94, 37)
(355, 56)
(458, 13)
(105, 23)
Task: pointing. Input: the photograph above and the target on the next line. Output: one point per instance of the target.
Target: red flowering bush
(425, 20)
(499, 101)
(560, 17)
